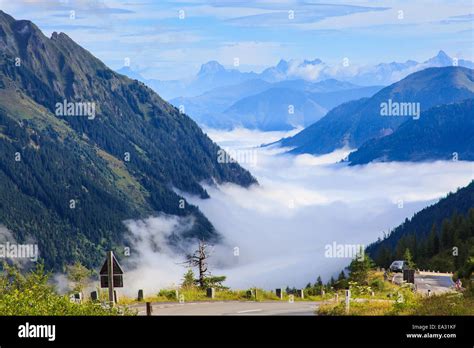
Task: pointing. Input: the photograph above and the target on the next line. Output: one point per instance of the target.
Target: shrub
(377, 284)
(31, 294)
(169, 294)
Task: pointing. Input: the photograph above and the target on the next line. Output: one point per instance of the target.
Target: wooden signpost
(111, 275)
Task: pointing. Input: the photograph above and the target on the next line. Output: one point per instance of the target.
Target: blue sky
(171, 39)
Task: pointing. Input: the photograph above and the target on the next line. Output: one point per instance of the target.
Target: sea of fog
(276, 234)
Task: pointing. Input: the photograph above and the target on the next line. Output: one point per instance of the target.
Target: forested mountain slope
(68, 181)
(444, 132)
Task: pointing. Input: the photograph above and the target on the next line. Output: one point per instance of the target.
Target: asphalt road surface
(231, 308)
(436, 282)
(424, 281)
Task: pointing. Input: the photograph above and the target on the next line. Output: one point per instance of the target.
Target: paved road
(231, 308)
(436, 282)
(424, 281)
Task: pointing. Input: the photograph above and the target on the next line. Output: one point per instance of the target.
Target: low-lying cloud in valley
(153, 263)
(275, 234)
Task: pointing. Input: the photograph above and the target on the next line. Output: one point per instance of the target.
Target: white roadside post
(348, 300)
(110, 265)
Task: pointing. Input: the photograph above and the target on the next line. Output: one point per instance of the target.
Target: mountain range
(257, 104)
(444, 132)
(70, 176)
(213, 75)
(354, 123)
(292, 94)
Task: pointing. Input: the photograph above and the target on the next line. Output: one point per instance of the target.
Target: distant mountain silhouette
(443, 132)
(213, 74)
(353, 123)
(257, 104)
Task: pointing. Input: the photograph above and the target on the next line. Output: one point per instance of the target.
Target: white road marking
(249, 311)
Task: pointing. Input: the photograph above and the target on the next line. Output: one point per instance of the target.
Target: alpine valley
(321, 152)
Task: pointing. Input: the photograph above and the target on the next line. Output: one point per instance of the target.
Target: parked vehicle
(398, 266)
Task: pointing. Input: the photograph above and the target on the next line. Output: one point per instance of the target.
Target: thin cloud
(300, 13)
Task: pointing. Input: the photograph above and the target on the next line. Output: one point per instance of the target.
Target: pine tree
(341, 282)
(342, 276)
(384, 257)
(445, 234)
(359, 269)
(408, 259)
(470, 221)
(188, 280)
(433, 241)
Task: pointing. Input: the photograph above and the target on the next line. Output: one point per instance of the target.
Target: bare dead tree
(198, 259)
